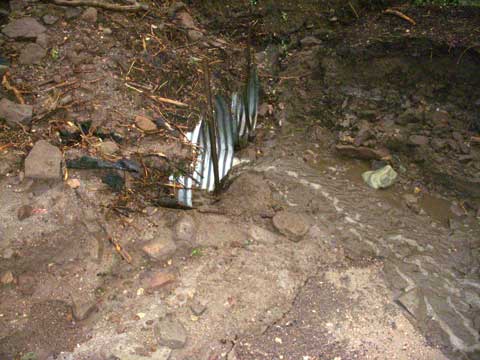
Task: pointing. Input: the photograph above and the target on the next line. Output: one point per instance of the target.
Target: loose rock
(49, 19)
(381, 178)
(145, 124)
(32, 54)
(15, 114)
(7, 278)
(170, 333)
(108, 148)
(292, 225)
(418, 140)
(24, 28)
(43, 162)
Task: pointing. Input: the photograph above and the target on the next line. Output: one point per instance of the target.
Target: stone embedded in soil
(32, 54)
(412, 203)
(15, 114)
(185, 20)
(362, 152)
(175, 7)
(418, 140)
(108, 147)
(44, 162)
(171, 333)
(144, 123)
(310, 41)
(83, 308)
(197, 308)
(413, 302)
(160, 248)
(186, 230)
(409, 116)
(261, 235)
(18, 5)
(49, 19)
(42, 40)
(157, 279)
(23, 28)
(194, 35)
(90, 15)
(24, 212)
(72, 12)
(294, 226)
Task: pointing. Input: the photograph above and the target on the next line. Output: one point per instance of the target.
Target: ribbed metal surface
(233, 125)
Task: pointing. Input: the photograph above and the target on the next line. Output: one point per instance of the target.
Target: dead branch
(136, 6)
(400, 15)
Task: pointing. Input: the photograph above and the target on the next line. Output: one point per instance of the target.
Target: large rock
(170, 333)
(15, 114)
(381, 178)
(44, 162)
(24, 28)
(292, 225)
(362, 152)
(32, 54)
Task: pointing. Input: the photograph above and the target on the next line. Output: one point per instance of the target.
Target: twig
(6, 84)
(136, 6)
(66, 83)
(353, 9)
(123, 253)
(400, 15)
(168, 101)
(156, 98)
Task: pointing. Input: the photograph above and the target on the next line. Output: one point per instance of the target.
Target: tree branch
(136, 6)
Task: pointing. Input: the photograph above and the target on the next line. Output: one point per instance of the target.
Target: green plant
(54, 53)
(196, 252)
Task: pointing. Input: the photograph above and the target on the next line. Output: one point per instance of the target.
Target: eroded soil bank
(298, 258)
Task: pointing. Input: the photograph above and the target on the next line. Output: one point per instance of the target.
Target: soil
(89, 271)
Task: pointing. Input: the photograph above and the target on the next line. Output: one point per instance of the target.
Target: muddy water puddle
(436, 207)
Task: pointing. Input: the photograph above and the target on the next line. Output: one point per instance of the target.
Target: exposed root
(136, 6)
(400, 15)
(6, 84)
